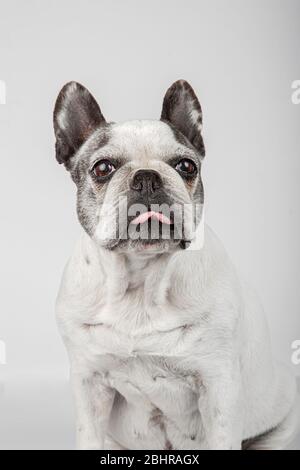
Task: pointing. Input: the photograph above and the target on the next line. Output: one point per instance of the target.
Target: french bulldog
(168, 348)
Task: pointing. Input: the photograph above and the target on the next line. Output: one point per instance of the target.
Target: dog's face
(138, 183)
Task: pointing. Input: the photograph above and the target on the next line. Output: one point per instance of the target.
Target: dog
(168, 348)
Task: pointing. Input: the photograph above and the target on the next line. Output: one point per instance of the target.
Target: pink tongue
(140, 219)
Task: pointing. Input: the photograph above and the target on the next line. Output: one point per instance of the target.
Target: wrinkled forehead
(141, 141)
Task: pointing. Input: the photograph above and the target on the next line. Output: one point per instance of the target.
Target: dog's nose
(146, 181)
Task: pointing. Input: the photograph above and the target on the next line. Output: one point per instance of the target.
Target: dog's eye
(186, 167)
(103, 168)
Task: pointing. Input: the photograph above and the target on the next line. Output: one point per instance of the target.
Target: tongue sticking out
(140, 219)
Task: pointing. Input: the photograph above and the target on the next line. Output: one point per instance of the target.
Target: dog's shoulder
(82, 274)
(207, 268)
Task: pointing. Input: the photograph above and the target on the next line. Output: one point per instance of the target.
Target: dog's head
(138, 182)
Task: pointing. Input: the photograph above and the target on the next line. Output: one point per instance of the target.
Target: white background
(241, 57)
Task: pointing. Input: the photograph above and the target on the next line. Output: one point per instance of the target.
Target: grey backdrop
(241, 57)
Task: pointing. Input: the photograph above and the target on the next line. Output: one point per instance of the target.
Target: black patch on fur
(252, 442)
(178, 103)
(184, 244)
(158, 419)
(82, 115)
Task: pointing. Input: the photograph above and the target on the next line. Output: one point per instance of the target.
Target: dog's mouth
(152, 215)
(151, 229)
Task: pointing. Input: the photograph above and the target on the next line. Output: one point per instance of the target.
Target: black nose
(146, 181)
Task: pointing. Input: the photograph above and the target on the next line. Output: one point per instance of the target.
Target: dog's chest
(133, 328)
(147, 354)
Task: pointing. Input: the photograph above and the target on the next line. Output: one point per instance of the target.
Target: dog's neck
(127, 271)
(137, 266)
(148, 271)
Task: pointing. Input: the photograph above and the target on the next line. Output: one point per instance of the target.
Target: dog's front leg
(220, 408)
(93, 402)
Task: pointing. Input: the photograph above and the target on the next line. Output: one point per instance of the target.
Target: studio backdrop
(242, 58)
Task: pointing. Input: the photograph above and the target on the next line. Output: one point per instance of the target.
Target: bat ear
(182, 109)
(76, 116)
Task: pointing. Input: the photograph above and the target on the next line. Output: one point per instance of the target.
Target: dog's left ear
(182, 109)
(76, 116)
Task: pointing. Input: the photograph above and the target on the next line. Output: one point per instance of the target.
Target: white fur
(169, 351)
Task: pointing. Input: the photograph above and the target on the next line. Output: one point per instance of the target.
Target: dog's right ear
(76, 116)
(182, 109)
